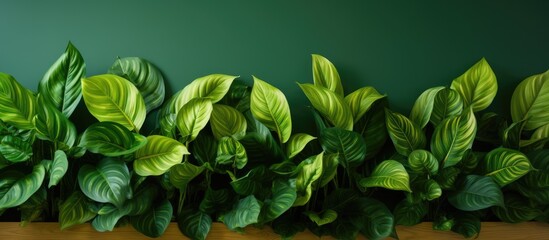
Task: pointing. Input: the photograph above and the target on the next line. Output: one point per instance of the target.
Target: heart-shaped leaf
(477, 86)
(154, 222)
(75, 210)
(530, 101)
(453, 137)
(448, 103)
(158, 155)
(361, 100)
(269, 105)
(475, 193)
(226, 121)
(111, 139)
(58, 168)
(108, 182)
(282, 199)
(325, 74)
(388, 174)
(16, 188)
(52, 125)
(422, 161)
(506, 165)
(405, 134)
(330, 105)
(17, 104)
(14, 149)
(297, 143)
(193, 117)
(423, 107)
(194, 224)
(348, 144)
(244, 213)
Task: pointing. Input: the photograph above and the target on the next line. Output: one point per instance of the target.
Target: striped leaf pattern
(447, 177)
(154, 222)
(108, 182)
(330, 105)
(111, 139)
(361, 100)
(231, 152)
(75, 210)
(142, 201)
(32, 209)
(448, 103)
(311, 170)
(193, 117)
(269, 105)
(245, 212)
(195, 224)
(17, 104)
(409, 214)
(252, 183)
(477, 86)
(53, 125)
(323, 218)
(58, 168)
(215, 200)
(506, 165)
(158, 155)
(297, 143)
(423, 161)
(517, 209)
(107, 221)
(475, 193)
(61, 85)
(145, 76)
(330, 162)
(389, 174)
(112, 98)
(325, 74)
(530, 101)
(17, 188)
(539, 134)
(349, 145)
(423, 107)
(372, 217)
(405, 134)
(182, 173)
(227, 121)
(431, 190)
(14, 149)
(453, 137)
(282, 199)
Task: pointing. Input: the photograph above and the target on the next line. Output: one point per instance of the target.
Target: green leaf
(286, 226)
(219, 200)
(107, 222)
(448, 103)
(517, 209)
(226, 121)
(112, 98)
(269, 105)
(181, 174)
(475, 193)
(194, 224)
(297, 143)
(477, 86)
(506, 165)
(329, 168)
(75, 210)
(388, 174)
(430, 190)
(361, 100)
(423, 107)
(453, 137)
(193, 117)
(409, 214)
(158, 155)
(145, 76)
(350, 146)
(32, 209)
(311, 171)
(530, 101)
(323, 218)
(405, 134)
(52, 125)
(14, 149)
(254, 182)
(60, 86)
(447, 177)
(330, 105)
(540, 134)
(325, 74)
(372, 217)
(231, 151)
(16, 188)
(17, 104)
(108, 182)
(142, 201)
(373, 129)
(111, 139)
(244, 213)
(59, 168)
(154, 222)
(422, 161)
(535, 184)
(204, 149)
(283, 197)
(512, 135)
(467, 224)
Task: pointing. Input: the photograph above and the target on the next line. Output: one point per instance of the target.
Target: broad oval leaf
(181, 174)
(323, 218)
(231, 152)
(361, 100)
(422, 161)
(16, 188)
(506, 165)
(530, 101)
(77, 209)
(423, 107)
(154, 222)
(517, 209)
(330, 105)
(477, 86)
(193, 117)
(448, 103)
(14, 149)
(145, 76)
(50, 124)
(107, 222)
(58, 168)
(108, 182)
(158, 155)
(111, 139)
(405, 134)
(453, 137)
(227, 121)
(325, 74)
(310, 171)
(371, 217)
(349, 145)
(269, 105)
(17, 104)
(112, 98)
(388, 174)
(475, 193)
(297, 143)
(194, 224)
(409, 214)
(282, 199)
(244, 213)
(61, 86)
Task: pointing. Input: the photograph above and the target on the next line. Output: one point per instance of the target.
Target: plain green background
(399, 47)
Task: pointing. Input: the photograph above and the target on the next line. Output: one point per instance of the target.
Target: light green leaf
(269, 105)
(330, 105)
(311, 170)
(193, 117)
(244, 213)
(16, 188)
(108, 182)
(453, 137)
(361, 100)
(14, 149)
(423, 107)
(349, 145)
(50, 124)
(227, 121)
(111, 139)
(194, 224)
(17, 104)
(540, 134)
(530, 101)
(405, 134)
(325, 74)
(517, 209)
(475, 193)
(297, 143)
(282, 199)
(181, 174)
(75, 210)
(506, 165)
(231, 151)
(58, 168)
(61, 86)
(477, 86)
(323, 218)
(154, 222)
(330, 163)
(430, 190)
(158, 155)
(448, 103)
(388, 174)
(112, 98)
(145, 76)
(422, 161)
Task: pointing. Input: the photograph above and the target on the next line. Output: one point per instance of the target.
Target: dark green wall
(399, 47)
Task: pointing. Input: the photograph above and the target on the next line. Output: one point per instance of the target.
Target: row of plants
(222, 150)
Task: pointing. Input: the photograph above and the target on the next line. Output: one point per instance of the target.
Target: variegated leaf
(477, 86)
(330, 105)
(453, 137)
(227, 121)
(181, 174)
(17, 104)
(193, 117)
(361, 100)
(154, 222)
(14, 149)
(59, 167)
(530, 101)
(349, 145)
(388, 174)
(475, 193)
(231, 152)
(297, 143)
(405, 134)
(111, 139)
(423, 107)
(77, 209)
(16, 188)
(325, 74)
(158, 155)
(422, 161)
(506, 165)
(108, 182)
(311, 171)
(269, 105)
(52, 125)
(448, 103)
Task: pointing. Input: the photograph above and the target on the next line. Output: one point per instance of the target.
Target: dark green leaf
(244, 213)
(231, 152)
(325, 217)
(216, 201)
(475, 193)
(52, 125)
(467, 224)
(409, 214)
(32, 209)
(282, 199)
(75, 210)
(111, 139)
(349, 145)
(194, 224)
(108, 182)
(254, 182)
(517, 209)
(181, 174)
(14, 149)
(154, 222)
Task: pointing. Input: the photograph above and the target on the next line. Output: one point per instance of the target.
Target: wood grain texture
(489, 230)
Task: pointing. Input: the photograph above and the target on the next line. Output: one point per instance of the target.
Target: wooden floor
(490, 230)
